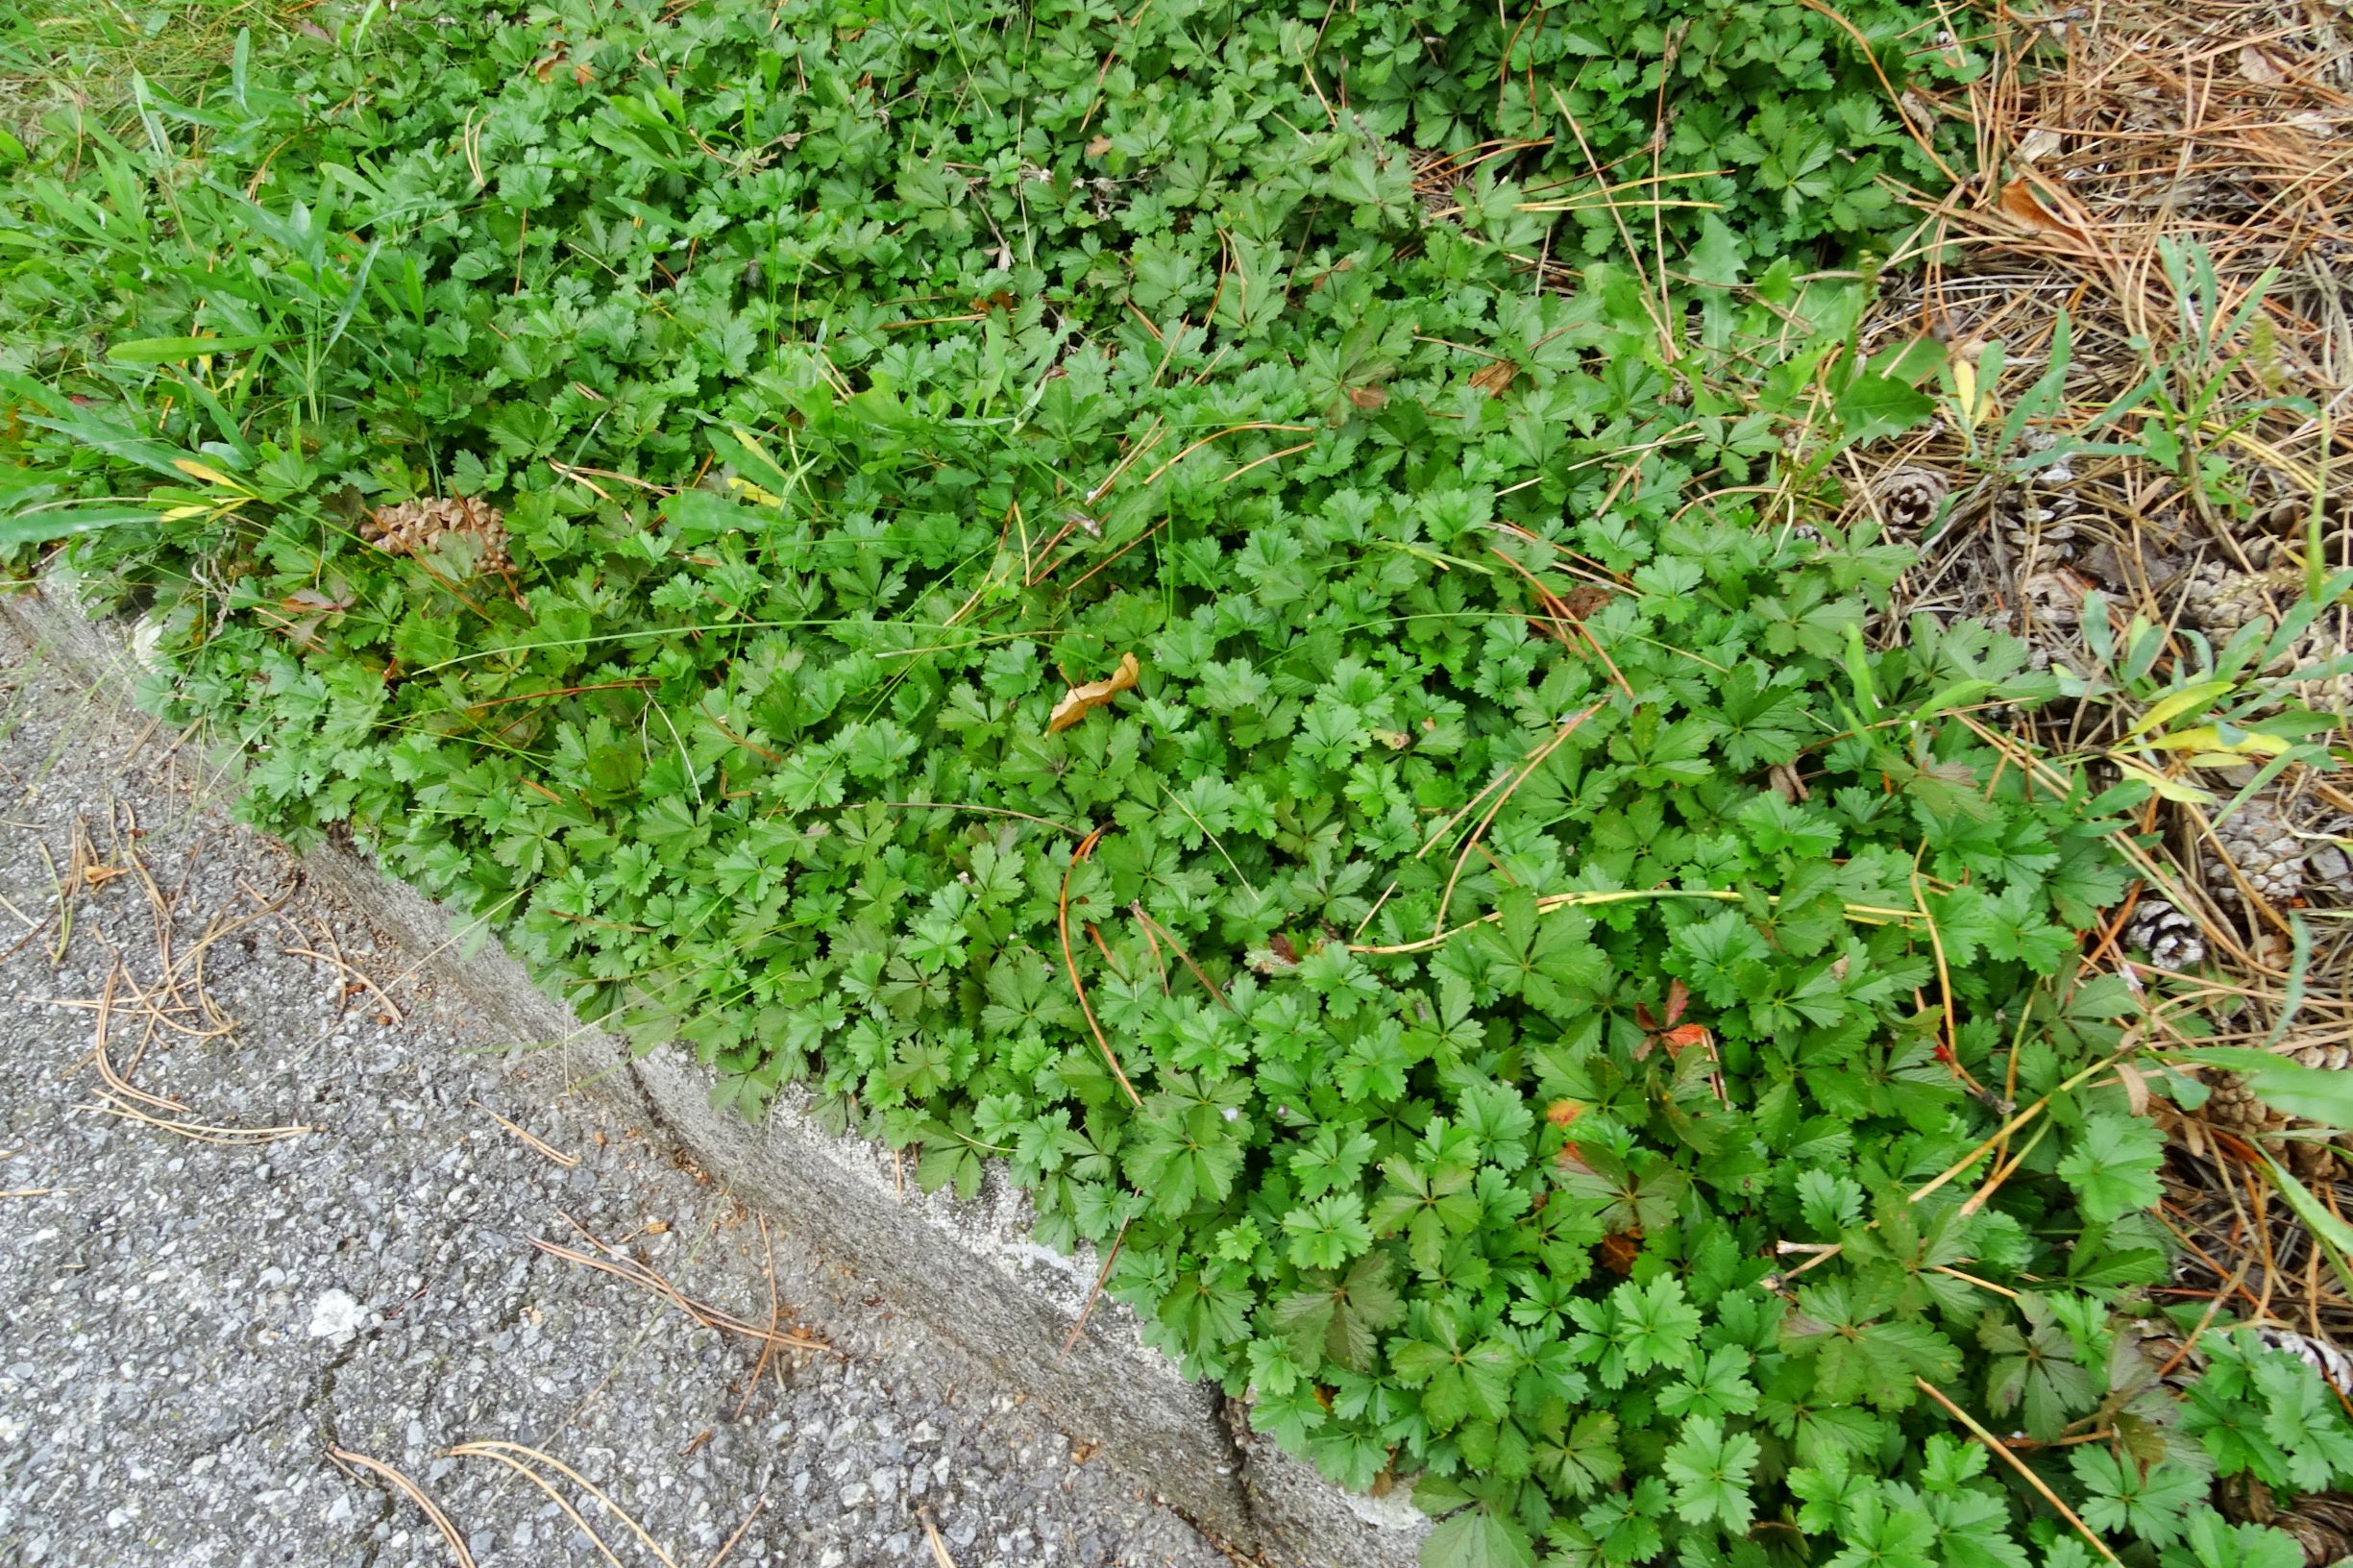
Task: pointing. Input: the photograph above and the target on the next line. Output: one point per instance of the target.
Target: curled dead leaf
(1496, 380)
(2022, 206)
(1085, 699)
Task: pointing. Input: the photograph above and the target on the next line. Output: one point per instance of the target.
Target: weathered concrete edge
(964, 1271)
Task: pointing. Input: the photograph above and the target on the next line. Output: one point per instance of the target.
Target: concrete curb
(966, 1272)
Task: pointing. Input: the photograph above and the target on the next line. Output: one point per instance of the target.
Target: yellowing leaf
(1085, 699)
(2168, 789)
(2207, 738)
(1965, 388)
(2180, 702)
(195, 470)
(744, 486)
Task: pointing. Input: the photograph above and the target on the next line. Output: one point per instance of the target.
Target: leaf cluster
(1511, 968)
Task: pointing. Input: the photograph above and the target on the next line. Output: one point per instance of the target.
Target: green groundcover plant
(1051, 601)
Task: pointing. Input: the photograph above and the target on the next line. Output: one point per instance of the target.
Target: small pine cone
(2171, 938)
(2322, 1356)
(2314, 1159)
(2232, 1106)
(2310, 1052)
(2038, 527)
(413, 528)
(2219, 600)
(2262, 844)
(1909, 496)
(2322, 1524)
(2330, 866)
(2050, 620)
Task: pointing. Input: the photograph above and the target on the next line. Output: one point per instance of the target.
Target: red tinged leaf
(1678, 1040)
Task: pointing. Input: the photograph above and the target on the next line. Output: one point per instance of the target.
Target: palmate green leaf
(2113, 1165)
(1657, 1324)
(1186, 1149)
(1859, 1356)
(1584, 1459)
(1337, 1317)
(2302, 1417)
(1544, 957)
(2120, 1494)
(1709, 1469)
(1427, 1206)
(1880, 1534)
(1476, 1537)
(1458, 1377)
(2210, 1541)
(1972, 1529)
(2035, 1369)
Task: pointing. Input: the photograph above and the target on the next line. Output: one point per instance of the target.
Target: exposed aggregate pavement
(190, 1322)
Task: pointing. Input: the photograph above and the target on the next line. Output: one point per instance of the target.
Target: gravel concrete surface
(194, 1308)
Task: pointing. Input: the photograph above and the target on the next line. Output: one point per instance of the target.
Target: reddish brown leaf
(2021, 204)
(1683, 1038)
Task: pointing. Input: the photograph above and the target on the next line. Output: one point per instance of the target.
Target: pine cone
(2322, 1526)
(2219, 599)
(2330, 866)
(2231, 1105)
(2316, 1052)
(2050, 620)
(1908, 497)
(2035, 517)
(2038, 527)
(2171, 938)
(2262, 844)
(415, 528)
(2321, 1355)
(2314, 1159)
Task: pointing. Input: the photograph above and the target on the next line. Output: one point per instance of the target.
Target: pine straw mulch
(2121, 145)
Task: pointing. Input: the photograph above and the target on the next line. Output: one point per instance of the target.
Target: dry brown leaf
(2021, 204)
(1583, 600)
(2039, 143)
(2256, 66)
(1085, 699)
(2136, 1088)
(1496, 380)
